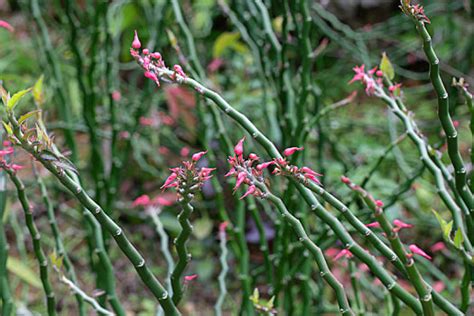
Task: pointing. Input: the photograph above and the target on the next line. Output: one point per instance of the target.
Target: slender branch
(224, 271)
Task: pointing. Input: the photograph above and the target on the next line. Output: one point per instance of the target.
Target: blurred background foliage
(153, 125)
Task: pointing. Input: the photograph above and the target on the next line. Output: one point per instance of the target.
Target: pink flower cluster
(145, 200)
(373, 81)
(246, 169)
(153, 63)
(188, 177)
(5, 152)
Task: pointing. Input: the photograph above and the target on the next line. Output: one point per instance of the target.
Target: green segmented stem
(183, 256)
(5, 292)
(36, 237)
(317, 253)
(424, 292)
(445, 117)
(359, 302)
(423, 149)
(223, 273)
(105, 221)
(308, 196)
(58, 241)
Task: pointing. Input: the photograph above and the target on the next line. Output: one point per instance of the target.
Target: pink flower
(438, 286)
(188, 278)
(152, 76)
(418, 251)
(6, 151)
(146, 121)
(136, 42)
(16, 167)
(231, 172)
(146, 51)
(215, 64)
(291, 150)
(373, 70)
(374, 225)
(310, 171)
(184, 152)
(142, 200)
(395, 89)
(156, 55)
(379, 73)
(163, 150)
(400, 224)
(223, 226)
(169, 182)
(379, 203)
(343, 253)
(345, 180)
(124, 135)
(116, 95)
(177, 69)
(241, 177)
(6, 25)
(265, 165)
(198, 155)
(251, 190)
(6, 143)
(439, 246)
(359, 74)
(254, 156)
(239, 148)
(159, 200)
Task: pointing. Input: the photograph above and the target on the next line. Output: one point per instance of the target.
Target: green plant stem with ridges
(223, 273)
(317, 253)
(58, 241)
(359, 303)
(5, 292)
(105, 221)
(423, 291)
(183, 256)
(445, 117)
(322, 213)
(36, 237)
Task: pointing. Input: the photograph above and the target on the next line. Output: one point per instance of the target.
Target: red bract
(239, 148)
(198, 155)
(374, 225)
(418, 251)
(142, 200)
(400, 224)
(136, 42)
(291, 150)
(344, 253)
(6, 25)
(188, 278)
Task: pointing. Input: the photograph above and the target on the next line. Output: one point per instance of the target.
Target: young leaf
(445, 226)
(26, 116)
(4, 94)
(38, 94)
(13, 101)
(386, 67)
(458, 239)
(227, 40)
(8, 128)
(56, 261)
(21, 270)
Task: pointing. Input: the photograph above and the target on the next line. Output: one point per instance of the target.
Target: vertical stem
(35, 235)
(223, 273)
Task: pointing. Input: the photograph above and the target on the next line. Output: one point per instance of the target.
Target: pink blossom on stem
(291, 150)
(239, 148)
(223, 226)
(379, 203)
(142, 200)
(241, 177)
(345, 180)
(254, 156)
(439, 246)
(146, 51)
(156, 55)
(359, 74)
(400, 224)
(265, 165)
(418, 251)
(198, 155)
(6, 151)
(116, 95)
(152, 76)
(373, 224)
(251, 190)
(16, 167)
(6, 25)
(177, 69)
(169, 181)
(343, 253)
(6, 143)
(188, 278)
(184, 152)
(379, 73)
(136, 42)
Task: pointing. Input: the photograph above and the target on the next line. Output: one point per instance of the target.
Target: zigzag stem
(424, 148)
(424, 292)
(36, 237)
(224, 271)
(58, 241)
(105, 221)
(183, 256)
(317, 253)
(322, 213)
(444, 116)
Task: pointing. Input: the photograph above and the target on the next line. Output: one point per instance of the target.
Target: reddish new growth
(8, 151)
(416, 11)
(188, 178)
(153, 64)
(373, 81)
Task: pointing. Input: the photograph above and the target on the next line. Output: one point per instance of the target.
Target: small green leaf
(227, 40)
(458, 239)
(38, 94)
(20, 269)
(171, 37)
(446, 227)
(271, 302)
(16, 98)
(255, 297)
(56, 261)
(386, 67)
(26, 116)
(5, 95)
(8, 128)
